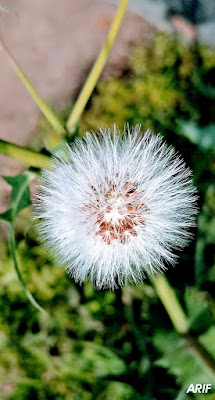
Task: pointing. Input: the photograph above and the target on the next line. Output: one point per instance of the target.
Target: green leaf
(205, 236)
(20, 197)
(203, 137)
(207, 340)
(91, 359)
(198, 310)
(186, 367)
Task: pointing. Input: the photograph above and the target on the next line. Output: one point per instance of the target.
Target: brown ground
(56, 43)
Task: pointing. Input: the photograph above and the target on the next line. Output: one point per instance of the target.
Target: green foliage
(73, 350)
(180, 359)
(20, 197)
(198, 309)
(203, 137)
(101, 345)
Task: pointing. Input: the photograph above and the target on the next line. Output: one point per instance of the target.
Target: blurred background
(161, 74)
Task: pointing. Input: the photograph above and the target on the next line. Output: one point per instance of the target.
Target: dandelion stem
(22, 154)
(97, 68)
(171, 304)
(57, 125)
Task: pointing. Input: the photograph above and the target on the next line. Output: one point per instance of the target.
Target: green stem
(180, 321)
(26, 156)
(48, 113)
(171, 304)
(97, 68)
(13, 254)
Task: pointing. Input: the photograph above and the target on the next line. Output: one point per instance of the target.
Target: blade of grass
(97, 68)
(48, 113)
(22, 154)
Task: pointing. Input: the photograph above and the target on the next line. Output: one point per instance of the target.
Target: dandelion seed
(118, 209)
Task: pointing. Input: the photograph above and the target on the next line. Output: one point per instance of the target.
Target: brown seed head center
(121, 214)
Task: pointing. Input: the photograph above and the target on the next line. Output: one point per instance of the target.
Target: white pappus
(116, 207)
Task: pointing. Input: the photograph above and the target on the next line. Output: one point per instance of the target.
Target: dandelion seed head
(117, 208)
